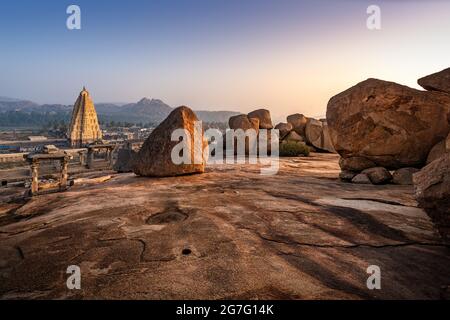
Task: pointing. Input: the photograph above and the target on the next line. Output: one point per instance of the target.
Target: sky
(286, 56)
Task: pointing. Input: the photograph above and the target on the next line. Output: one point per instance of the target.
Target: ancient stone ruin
(84, 127)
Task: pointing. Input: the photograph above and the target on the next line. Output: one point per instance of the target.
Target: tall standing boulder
(298, 122)
(439, 81)
(155, 156)
(263, 115)
(391, 125)
(432, 191)
(317, 135)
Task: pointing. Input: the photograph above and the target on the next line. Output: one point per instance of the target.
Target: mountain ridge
(144, 111)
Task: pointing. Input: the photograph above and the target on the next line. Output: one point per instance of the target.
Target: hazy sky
(287, 56)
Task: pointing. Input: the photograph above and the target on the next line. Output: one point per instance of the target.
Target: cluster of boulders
(304, 130)
(386, 132)
(256, 120)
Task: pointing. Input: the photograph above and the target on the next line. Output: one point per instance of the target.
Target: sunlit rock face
(391, 125)
(155, 157)
(84, 127)
(439, 81)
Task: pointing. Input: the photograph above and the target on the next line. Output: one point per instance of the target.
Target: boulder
(284, 129)
(124, 160)
(439, 81)
(355, 163)
(298, 122)
(263, 115)
(154, 158)
(346, 175)
(404, 176)
(432, 191)
(317, 135)
(392, 125)
(293, 136)
(361, 178)
(437, 151)
(378, 175)
(243, 122)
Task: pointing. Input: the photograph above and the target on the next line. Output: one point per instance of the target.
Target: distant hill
(16, 112)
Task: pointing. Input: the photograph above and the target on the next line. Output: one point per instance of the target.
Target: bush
(293, 149)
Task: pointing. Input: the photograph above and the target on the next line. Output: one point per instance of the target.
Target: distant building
(84, 127)
(37, 138)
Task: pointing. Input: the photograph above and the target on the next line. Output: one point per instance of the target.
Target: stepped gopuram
(84, 127)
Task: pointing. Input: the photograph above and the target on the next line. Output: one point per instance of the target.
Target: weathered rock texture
(439, 81)
(355, 163)
(432, 187)
(263, 115)
(378, 175)
(154, 158)
(298, 122)
(437, 151)
(124, 160)
(301, 234)
(84, 127)
(389, 124)
(284, 129)
(243, 122)
(404, 176)
(317, 135)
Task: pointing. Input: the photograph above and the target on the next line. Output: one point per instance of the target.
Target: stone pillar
(34, 177)
(64, 175)
(110, 159)
(90, 158)
(82, 158)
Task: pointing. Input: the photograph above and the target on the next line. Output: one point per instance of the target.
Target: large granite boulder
(298, 122)
(284, 129)
(243, 122)
(393, 126)
(154, 158)
(124, 162)
(263, 115)
(439, 81)
(317, 135)
(432, 191)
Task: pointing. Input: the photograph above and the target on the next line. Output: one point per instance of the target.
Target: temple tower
(84, 127)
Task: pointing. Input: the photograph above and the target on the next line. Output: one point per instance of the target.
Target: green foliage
(293, 149)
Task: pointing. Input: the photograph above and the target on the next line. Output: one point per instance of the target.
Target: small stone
(404, 176)
(378, 175)
(361, 178)
(346, 175)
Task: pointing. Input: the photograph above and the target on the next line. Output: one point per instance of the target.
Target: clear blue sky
(288, 56)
